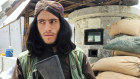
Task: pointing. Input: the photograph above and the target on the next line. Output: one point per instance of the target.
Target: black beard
(51, 45)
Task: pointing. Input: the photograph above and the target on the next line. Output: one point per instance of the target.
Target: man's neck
(54, 49)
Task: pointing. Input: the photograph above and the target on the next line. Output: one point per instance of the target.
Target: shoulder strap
(76, 59)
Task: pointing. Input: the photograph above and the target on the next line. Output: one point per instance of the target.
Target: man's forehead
(46, 18)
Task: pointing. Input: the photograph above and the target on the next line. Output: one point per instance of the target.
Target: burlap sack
(125, 26)
(124, 43)
(123, 64)
(114, 75)
(92, 65)
(123, 53)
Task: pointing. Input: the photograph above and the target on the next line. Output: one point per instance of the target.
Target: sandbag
(124, 43)
(123, 64)
(123, 53)
(125, 26)
(114, 75)
(130, 2)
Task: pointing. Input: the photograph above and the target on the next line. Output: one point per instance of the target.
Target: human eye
(53, 21)
(41, 21)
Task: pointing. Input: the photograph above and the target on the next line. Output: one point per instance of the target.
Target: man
(49, 34)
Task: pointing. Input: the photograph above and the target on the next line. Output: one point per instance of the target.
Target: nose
(47, 27)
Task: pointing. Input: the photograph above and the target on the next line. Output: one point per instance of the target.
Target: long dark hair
(37, 46)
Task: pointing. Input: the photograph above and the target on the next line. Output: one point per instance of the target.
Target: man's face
(48, 26)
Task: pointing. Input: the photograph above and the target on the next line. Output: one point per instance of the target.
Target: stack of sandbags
(118, 67)
(127, 38)
(125, 63)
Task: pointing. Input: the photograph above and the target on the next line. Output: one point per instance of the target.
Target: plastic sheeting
(15, 15)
